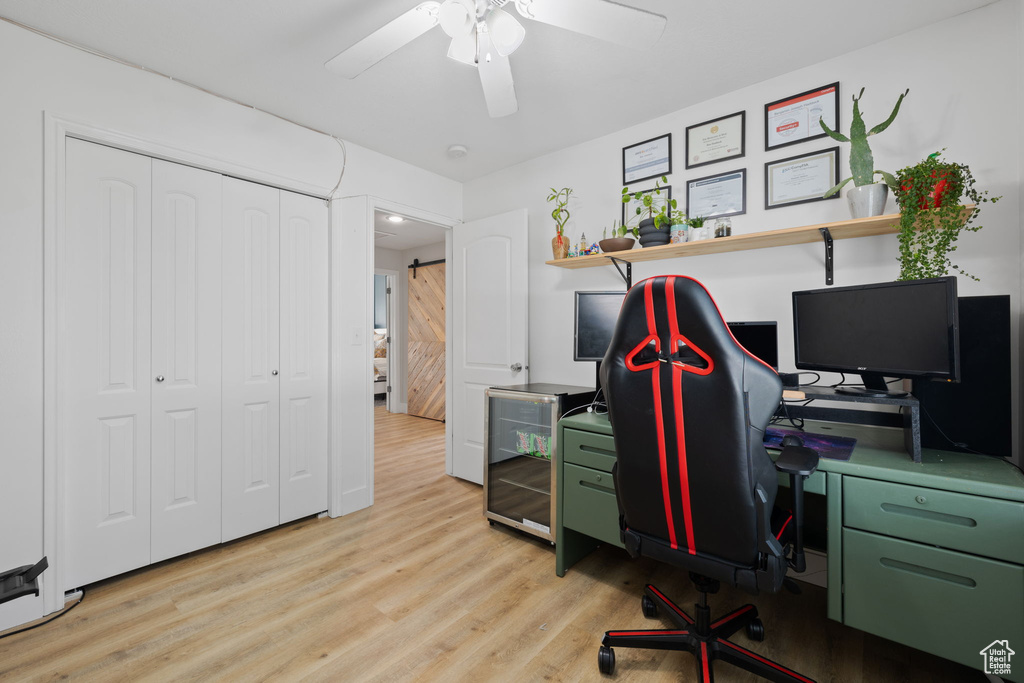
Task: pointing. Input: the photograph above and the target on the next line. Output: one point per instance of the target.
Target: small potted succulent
(867, 198)
(559, 243)
(618, 241)
(655, 214)
(931, 218)
(697, 229)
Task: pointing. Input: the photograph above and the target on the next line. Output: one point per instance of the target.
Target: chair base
(704, 638)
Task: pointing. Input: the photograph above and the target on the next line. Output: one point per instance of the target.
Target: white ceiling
(408, 234)
(416, 102)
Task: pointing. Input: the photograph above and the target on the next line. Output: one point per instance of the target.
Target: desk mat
(825, 445)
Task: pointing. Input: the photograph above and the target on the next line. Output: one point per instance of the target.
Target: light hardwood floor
(416, 588)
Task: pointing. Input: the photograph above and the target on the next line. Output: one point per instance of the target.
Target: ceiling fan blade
(496, 78)
(463, 49)
(506, 32)
(385, 40)
(598, 18)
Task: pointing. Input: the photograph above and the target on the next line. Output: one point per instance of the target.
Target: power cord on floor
(44, 623)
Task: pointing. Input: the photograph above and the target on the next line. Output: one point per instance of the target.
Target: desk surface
(879, 454)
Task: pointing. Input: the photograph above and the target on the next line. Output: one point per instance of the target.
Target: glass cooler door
(519, 443)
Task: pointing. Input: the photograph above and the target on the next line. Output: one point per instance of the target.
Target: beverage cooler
(519, 468)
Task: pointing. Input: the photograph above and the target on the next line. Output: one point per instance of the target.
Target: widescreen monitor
(892, 329)
(760, 338)
(596, 313)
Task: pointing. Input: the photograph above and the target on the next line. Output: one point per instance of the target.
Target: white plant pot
(867, 200)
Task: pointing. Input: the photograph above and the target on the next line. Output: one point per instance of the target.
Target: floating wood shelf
(857, 227)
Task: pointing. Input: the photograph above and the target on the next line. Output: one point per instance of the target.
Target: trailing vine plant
(929, 197)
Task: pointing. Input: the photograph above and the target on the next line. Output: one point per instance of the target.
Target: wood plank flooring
(416, 588)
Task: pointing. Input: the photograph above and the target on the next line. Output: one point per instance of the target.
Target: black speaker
(974, 415)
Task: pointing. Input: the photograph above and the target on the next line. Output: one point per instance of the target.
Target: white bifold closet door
(140, 361)
(274, 357)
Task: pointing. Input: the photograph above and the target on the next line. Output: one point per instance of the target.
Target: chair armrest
(798, 460)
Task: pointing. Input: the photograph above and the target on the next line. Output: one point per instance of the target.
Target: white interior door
(250, 381)
(490, 318)
(303, 378)
(104, 362)
(186, 462)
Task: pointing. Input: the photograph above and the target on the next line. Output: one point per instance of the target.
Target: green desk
(913, 548)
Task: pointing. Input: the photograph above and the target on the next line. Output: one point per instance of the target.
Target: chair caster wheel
(491, 522)
(755, 630)
(606, 659)
(649, 607)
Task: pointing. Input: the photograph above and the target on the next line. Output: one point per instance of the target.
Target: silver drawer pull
(929, 515)
(596, 487)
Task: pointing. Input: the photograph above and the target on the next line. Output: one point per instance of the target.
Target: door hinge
(389, 390)
(388, 291)
(387, 339)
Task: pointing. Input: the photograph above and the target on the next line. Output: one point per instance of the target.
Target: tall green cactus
(862, 162)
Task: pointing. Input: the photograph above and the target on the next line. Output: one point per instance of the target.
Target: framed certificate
(716, 140)
(795, 119)
(801, 179)
(719, 195)
(629, 208)
(648, 159)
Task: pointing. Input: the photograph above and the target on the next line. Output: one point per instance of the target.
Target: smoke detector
(457, 151)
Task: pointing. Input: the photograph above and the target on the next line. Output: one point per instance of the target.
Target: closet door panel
(104, 362)
(250, 405)
(186, 464)
(303, 356)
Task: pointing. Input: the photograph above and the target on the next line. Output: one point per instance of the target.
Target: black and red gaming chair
(695, 486)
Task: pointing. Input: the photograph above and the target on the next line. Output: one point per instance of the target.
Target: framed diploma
(719, 195)
(648, 159)
(716, 140)
(795, 119)
(801, 179)
(629, 208)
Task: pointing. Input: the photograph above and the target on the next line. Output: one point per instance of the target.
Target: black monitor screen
(596, 313)
(761, 339)
(895, 329)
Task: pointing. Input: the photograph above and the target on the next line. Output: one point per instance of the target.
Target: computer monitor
(890, 329)
(596, 313)
(760, 338)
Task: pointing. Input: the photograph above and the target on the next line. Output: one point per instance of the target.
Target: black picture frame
(832, 182)
(742, 141)
(663, 166)
(691, 185)
(829, 92)
(667, 189)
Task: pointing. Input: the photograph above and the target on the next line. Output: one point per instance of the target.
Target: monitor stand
(874, 386)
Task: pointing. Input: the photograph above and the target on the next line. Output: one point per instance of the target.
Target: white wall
(71, 84)
(962, 74)
(400, 260)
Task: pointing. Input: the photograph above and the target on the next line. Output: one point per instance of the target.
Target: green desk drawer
(588, 449)
(944, 602)
(974, 524)
(589, 506)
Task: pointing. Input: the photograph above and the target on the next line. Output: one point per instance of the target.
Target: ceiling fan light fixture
(507, 34)
(457, 17)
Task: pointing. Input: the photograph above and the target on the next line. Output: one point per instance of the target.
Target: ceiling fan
(484, 35)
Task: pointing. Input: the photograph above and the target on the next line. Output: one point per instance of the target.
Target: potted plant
(618, 241)
(697, 230)
(867, 198)
(559, 243)
(931, 218)
(655, 212)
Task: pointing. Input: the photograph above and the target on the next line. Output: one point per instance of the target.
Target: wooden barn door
(426, 341)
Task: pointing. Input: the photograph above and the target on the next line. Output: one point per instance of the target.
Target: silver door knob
(515, 367)
(273, 372)
(159, 378)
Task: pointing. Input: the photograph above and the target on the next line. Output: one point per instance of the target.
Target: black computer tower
(974, 415)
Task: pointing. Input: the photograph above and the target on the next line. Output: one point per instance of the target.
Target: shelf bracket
(827, 236)
(628, 275)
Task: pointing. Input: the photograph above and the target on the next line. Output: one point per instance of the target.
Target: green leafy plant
(619, 230)
(652, 205)
(931, 218)
(560, 213)
(862, 162)
(696, 222)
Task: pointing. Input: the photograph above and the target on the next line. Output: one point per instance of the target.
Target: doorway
(416, 324)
